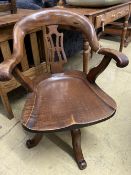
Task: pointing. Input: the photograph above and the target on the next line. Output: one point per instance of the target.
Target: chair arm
(6, 68)
(120, 58)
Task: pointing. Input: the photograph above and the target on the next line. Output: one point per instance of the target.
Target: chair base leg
(76, 142)
(34, 141)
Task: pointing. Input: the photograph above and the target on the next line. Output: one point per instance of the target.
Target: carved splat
(55, 54)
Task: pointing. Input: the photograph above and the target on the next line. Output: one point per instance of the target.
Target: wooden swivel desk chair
(61, 100)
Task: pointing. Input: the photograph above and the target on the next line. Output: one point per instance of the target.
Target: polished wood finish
(61, 100)
(10, 5)
(54, 49)
(9, 64)
(6, 25)
(76, 142)
(76, 100)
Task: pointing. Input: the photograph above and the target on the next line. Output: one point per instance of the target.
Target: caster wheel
(29, 144)
(82, 164)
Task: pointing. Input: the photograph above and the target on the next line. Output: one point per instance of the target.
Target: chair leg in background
(6, 103)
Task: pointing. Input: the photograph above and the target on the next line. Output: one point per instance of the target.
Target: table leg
(124, 32)
(128, 40)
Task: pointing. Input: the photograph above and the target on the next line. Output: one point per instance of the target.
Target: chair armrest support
(6, 68)
(120, 58)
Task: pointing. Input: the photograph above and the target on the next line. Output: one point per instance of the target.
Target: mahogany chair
(61, 100)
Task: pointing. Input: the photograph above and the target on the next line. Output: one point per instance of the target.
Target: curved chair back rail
(54, 17)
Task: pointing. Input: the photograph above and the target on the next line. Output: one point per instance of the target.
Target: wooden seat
(68, 98)
(61, 100)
